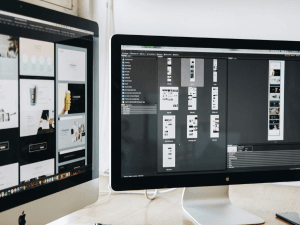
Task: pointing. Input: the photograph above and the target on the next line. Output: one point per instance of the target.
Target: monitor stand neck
(211, 205)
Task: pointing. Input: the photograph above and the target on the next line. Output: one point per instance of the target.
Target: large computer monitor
(48, 113)
(195, 112)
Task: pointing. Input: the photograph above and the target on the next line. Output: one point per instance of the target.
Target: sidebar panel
(139, 114)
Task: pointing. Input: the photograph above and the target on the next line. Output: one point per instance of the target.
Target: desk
(263, 200)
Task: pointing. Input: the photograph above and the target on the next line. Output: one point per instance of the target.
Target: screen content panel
(45, 69)
(199, 110)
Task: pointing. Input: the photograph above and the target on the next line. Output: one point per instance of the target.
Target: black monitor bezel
(190, 179)
(37, 12)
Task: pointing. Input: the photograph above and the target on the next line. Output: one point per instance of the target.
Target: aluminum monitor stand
(211, 205)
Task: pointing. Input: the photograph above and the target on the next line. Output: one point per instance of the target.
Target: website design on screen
(43, 103)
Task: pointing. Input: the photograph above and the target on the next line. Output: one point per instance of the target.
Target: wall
(81, 8)
(47, 4)
(85, 9)
(247, 19)
(101, 16)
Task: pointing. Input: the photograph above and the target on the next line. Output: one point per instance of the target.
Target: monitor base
(211, 205)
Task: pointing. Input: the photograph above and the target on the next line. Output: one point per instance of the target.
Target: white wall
(85, 9)
(246, 19)
(100, 15)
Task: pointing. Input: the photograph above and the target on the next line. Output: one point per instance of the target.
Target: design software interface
(43, 102)
(207, 110)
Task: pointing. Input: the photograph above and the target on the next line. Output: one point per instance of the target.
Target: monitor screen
(191, 110)
(46, 104)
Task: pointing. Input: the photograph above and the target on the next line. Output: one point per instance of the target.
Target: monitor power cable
(143, 192)
(151, 197)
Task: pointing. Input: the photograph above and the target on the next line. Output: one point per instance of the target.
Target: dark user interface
(208, 111)
(44, 125)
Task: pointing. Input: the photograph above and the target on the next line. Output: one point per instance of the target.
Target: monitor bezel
(191, 179)
(37, 12)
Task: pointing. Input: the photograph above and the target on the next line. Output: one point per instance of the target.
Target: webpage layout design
(214, 126)
(169, 70)
(36, 58)
(169, 127)
(36, 107)
(276, 100)
(71, 166)
(169, 155)
(192, 72)
(72, 63)
(9, 176)
(192, 126)
(192, 98)
(29, 94)
(71, 131)
(169, 98)
(8, 56)
(67, 155)
(71, 99)
(37, 127)
(215, 70)
(9, 113)
(214, 98)
(169, 74)
(36, 170)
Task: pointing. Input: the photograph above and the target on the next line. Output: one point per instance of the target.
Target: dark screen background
(248, 102)
(139, 131)
(243, 94)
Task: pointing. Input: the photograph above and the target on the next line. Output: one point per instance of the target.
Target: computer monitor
(195, 112)
(48, 113)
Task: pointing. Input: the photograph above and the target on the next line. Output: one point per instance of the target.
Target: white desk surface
(263, 200)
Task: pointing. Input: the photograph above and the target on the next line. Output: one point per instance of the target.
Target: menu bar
(41, 25)
(216, 50)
